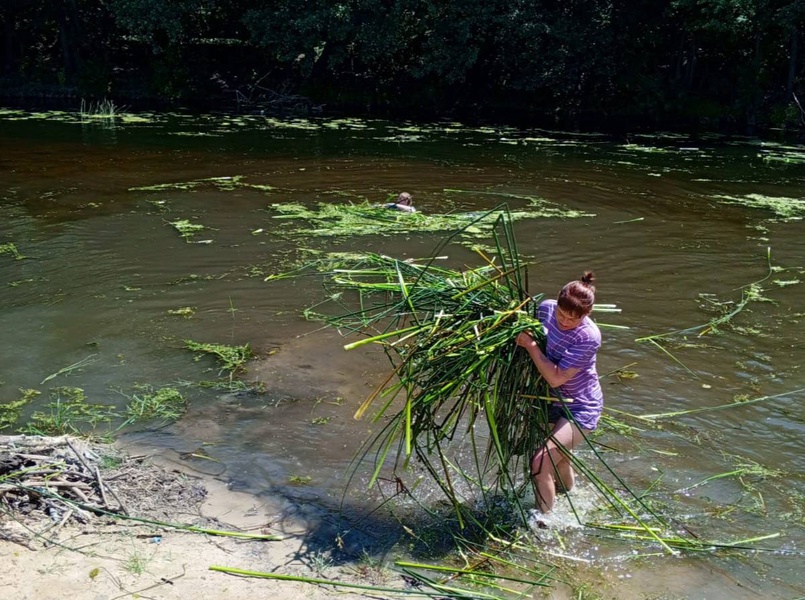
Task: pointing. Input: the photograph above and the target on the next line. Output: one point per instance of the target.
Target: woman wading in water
(568, 365)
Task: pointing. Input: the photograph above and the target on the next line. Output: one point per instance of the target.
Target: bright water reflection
(103, 267)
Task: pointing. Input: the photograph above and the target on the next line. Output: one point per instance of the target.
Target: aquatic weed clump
(328, 219)
(10, 248)
(787, 209)
(69, 412)
(231, 359)
(166, 404)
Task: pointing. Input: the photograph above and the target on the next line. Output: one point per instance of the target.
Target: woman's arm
(551, 372)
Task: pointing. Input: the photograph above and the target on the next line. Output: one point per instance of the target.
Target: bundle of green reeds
(457, 375)
(450, 337)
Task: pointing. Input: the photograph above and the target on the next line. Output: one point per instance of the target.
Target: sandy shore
(109, 558)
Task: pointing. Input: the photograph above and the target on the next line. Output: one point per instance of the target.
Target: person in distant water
(404, 202)
(568, 365)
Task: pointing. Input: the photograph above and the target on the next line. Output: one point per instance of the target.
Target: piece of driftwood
(54, 476)
(52, 485)
(96, 473)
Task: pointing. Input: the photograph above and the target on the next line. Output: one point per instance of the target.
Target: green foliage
(163, 24)
(695, 59)
(786, 115)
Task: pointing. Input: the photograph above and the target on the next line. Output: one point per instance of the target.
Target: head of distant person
(405, 199)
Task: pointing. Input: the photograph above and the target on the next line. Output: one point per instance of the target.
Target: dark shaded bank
(675, 64)
(36, 98)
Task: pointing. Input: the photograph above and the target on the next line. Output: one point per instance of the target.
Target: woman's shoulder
(591, 330)
(546, 309)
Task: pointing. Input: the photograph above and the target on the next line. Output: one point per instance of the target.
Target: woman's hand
(551, 372)
(525, 340)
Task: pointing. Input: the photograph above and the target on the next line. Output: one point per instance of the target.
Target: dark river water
(676, 226)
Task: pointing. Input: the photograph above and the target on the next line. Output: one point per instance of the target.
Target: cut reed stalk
(677, 413)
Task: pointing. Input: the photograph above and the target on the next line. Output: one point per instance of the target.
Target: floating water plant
(69, 413)
(791, 157)
(705, 409)
(332, 219)
(166, 404)
(726, 311)
(782, 207)
(226, 183)
(10, 248)
(231, 359)
(742, 468)
(70, 368)
(10, 411)
(188, 230)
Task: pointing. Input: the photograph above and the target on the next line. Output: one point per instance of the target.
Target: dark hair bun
(588, 278)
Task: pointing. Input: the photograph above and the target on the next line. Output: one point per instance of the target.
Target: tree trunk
(754, 92)
(690, 67)
(8, 50)
(793, 58)
(68, 36)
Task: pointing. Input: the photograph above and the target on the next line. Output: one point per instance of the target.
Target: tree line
(724, 63)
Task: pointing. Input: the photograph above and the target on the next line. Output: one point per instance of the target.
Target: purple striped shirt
(575, 349)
